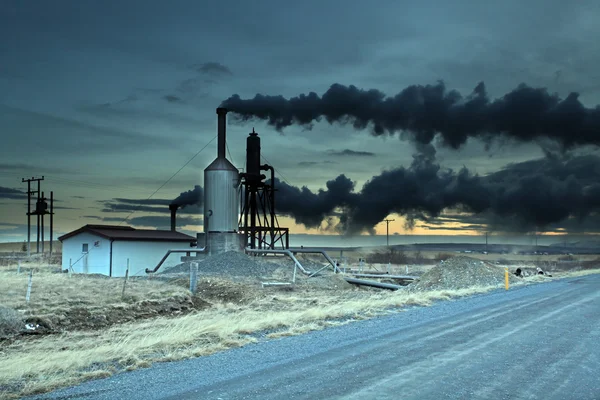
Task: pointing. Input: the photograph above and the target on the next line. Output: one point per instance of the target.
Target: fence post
(125, 283)
(28, 295)
(70, 266)
(193, 277)
(19, 268)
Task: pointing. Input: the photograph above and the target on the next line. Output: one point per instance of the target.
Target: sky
(108, 100)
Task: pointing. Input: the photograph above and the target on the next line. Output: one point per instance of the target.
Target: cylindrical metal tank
(253, 155)
(221, 196)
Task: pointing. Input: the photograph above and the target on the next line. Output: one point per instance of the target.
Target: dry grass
(239, 315)
(57, 360)
(574, 274)
(56, 292)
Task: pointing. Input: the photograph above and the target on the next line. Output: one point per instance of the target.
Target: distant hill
(583, 244)
(7, 247)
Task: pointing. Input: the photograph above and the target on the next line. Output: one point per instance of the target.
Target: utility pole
(387, 232)
(486, 242)
(29, 193)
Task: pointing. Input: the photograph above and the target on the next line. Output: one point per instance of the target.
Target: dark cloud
(212, 68)
(190, 203)
(172, 98)
(39, 169)
(129, 205)
(69, 135)
(157, 202)
(525, 114)
(8, 193)
(311, 163)
(159, 222)
(464, 228)
(348, 152)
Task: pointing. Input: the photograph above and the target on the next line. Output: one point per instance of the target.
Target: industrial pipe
(221, 131)
(169, 252)
(404, 277)
(318, 251)
(173, 208)
(267, 167)
(286, 252)
(373, 284)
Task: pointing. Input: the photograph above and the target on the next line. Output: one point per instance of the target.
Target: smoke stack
(173, 208)
(221, 127)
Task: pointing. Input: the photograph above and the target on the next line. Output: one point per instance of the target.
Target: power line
(168, 180)
(229, 152)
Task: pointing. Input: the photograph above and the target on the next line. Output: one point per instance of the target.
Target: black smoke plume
(525, 114)
(190, 198)
(525, 196)
(308, 208)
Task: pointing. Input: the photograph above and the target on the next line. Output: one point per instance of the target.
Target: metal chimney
(173, 208)
(221, 132)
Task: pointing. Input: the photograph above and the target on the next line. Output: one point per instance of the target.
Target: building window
(84, 248)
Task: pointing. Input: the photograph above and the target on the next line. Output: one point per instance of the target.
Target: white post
(294, 275)
(28, 295)
(124, 284)
(193, 277)
(406, 269)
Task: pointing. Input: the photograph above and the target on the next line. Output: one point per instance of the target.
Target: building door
(84, 255)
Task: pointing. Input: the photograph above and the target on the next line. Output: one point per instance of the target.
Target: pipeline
(318, 251)
(403, 277)
(373, 284)
(286, 252)
(169, 252)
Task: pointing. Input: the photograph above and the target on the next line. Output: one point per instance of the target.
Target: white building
(105, 249)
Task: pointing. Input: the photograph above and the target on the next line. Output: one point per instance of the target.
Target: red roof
(114, 232)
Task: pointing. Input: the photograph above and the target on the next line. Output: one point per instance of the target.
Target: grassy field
(6, 247)
(86, 327)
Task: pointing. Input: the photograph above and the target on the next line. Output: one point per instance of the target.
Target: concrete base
(221, 242)
(218, 242)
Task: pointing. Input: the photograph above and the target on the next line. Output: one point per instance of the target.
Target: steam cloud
(525, 114)
(524, 196)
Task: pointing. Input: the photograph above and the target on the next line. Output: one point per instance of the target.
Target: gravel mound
(460, 273)
(231, 263)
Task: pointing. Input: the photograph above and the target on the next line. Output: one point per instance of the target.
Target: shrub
(392, 255)
(10, 322)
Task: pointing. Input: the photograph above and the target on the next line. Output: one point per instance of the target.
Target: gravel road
(533, 342)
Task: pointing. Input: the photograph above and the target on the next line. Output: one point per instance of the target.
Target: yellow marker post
(506, 278)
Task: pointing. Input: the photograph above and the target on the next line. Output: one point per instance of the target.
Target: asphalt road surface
(534, 342)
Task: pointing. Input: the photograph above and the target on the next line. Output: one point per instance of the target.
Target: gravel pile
(231, 263)
(460, 273)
